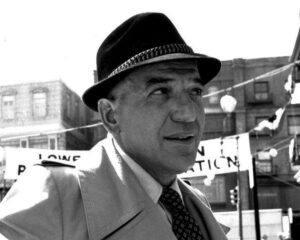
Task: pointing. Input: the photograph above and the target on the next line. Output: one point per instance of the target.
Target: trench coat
(99, 199)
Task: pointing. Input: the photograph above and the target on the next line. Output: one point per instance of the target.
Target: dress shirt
(149, 184)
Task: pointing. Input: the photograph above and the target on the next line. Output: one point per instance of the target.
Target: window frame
(11, 111)
(259, 92)
(55, 142)
(34, 110)
(26, 141)
(289, 125)
(263, 158)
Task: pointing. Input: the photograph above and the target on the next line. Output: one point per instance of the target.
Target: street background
(48, 58)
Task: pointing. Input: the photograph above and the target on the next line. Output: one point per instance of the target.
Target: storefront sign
(216, 156)
(18, 159)
(221, 155)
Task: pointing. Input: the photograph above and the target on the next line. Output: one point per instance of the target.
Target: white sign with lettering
(18, 159)
(221, 155)
(216, 156)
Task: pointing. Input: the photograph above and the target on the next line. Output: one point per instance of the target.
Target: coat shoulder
(40, 197)
(64, 175)
(32, 200)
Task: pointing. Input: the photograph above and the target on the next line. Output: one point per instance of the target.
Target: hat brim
(208, 68)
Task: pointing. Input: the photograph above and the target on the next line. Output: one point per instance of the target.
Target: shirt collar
(149, 184)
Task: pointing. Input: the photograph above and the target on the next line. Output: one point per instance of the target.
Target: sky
(58, 39)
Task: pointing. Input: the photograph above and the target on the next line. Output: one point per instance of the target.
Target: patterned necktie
(183, 224)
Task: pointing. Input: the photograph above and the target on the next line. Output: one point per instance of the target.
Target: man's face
(160, 116)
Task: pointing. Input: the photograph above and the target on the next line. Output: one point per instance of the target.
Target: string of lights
(279, 149)
(273, 119)
(52, 132)
(273, 146)
(268, 74)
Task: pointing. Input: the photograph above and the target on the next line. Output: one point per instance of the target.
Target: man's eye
(197, 91)
(160, 91)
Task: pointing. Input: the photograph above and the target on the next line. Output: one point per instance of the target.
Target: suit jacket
(99, 199)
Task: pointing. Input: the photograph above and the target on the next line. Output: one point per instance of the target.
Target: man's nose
(184, 110)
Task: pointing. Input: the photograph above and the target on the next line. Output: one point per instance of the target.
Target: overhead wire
(268, 74)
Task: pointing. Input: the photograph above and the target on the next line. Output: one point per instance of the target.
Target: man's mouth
(180, 138)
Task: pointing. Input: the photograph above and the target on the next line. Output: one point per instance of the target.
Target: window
(39, 104)
(215, 123)
(24, 143)
(294, 124)
(215, 98)
(8, 107)
(261, 91)
(294, 152)
(52, 142)
(264, 162)
(38, 143)
(269, 197)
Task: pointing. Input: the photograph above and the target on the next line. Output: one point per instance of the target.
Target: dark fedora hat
(143, 39)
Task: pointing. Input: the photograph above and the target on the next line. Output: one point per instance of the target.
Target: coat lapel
(200, 208)
(112, 198)
(108, 201)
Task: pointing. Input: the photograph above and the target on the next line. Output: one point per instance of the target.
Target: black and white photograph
(150, 120)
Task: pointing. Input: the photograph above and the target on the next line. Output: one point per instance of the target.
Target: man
(149, 99)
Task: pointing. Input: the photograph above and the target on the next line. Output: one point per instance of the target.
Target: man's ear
(106, 110)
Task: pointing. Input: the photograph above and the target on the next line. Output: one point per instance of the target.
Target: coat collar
(104, 182)
(109, 188)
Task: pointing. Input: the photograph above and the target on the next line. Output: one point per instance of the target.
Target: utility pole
(239, 202)
(255, 201)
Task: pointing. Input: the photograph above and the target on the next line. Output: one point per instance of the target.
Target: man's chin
(187, 165)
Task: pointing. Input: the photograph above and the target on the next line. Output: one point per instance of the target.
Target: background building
(256, 101)
(295, 227)
(29, 111)
(38, 108)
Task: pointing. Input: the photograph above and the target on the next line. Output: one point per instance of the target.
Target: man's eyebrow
(197, 80)
(161, 80)
(153, 81)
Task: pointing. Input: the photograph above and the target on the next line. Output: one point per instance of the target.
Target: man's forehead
(179, 66)
(167, 69)
(158, 73)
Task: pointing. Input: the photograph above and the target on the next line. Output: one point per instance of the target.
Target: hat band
(152, 53)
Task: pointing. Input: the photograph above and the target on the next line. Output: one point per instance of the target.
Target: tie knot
(171, 200)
